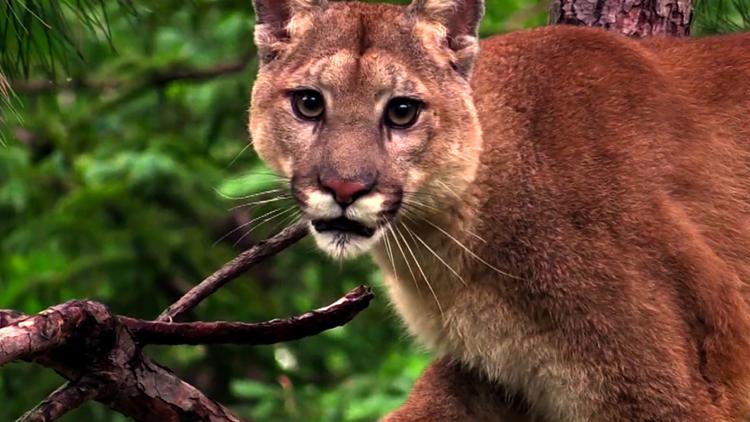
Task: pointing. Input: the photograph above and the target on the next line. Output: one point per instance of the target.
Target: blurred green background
(116, 184)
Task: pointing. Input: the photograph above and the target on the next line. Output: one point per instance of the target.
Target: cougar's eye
(402, 112)
(308, 104)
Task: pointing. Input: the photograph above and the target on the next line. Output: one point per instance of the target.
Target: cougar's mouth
(343, 225)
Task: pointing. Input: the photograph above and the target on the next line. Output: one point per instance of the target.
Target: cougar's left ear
(274, 23)
(461, 19)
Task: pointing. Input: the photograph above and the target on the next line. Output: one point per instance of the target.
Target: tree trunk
(634, 18)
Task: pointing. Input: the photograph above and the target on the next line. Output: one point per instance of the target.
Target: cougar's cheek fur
(562, 215)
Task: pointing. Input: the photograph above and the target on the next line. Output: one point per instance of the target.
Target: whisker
(418, 238)
(264, 201)
(243, 225)
(389, 251)
(419, 267)
(231, 163)
(449, 189)
(470, 252)
(292, 219)
(414, 214)
(264, 173)
(474, 235)
(419, 208)
(423, 193)
(403, 255)
(418, 204)
(271, 218)
(253, 195)
(422, 205)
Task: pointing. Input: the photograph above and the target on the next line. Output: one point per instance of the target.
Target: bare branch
(103, 359)
(171, 73)
(275, 331)
(8, 317)
(182, 73)
(66, 398)
(103, 353)
(48, 330)
(234, 268)
(125, 379)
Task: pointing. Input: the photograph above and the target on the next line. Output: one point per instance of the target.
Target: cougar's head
(367, 109)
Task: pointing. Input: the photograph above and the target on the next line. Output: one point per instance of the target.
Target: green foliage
(721, 16)
(41, 31)
(115, 188)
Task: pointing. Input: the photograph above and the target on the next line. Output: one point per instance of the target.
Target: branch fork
(101, 354)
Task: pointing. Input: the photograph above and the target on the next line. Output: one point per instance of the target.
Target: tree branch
(275, 331)
(101, 354)
(234, 268)
(66, 398)
(32, 335)
(160, 77)
(8, 317)
(91, 344)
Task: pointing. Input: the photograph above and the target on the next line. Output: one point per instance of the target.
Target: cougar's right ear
(274, 23)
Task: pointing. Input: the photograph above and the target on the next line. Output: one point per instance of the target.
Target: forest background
(116, 184)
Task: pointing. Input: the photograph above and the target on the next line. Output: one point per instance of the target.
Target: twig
(182, 73)
(234, 268)
(66, 398)
(275, 331)
(171, 73)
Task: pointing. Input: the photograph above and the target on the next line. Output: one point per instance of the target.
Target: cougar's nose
(347, 191)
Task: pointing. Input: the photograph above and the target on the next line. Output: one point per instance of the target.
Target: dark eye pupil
(402, 112)
(308, 104)
(311, 101)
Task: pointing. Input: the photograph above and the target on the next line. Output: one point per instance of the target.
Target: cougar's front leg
(447, 392)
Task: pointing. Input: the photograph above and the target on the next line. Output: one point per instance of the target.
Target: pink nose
(345, 191)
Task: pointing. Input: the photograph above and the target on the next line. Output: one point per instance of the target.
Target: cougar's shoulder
(615, 176)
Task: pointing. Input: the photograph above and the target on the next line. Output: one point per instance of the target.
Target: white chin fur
(320, 205)
(344, 245)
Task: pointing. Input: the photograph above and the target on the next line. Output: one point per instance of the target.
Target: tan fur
(458, 394)
(434, 9)
(308, 5)
(567, 225)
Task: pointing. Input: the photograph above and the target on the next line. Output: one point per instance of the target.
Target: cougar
(561, 214)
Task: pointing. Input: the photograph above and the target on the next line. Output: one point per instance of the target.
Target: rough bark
(270, 332)
(634, 18)
(84, 341)
(66, 398)
(101, 354)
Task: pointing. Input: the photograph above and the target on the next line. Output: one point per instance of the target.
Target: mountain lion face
(367, 109)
